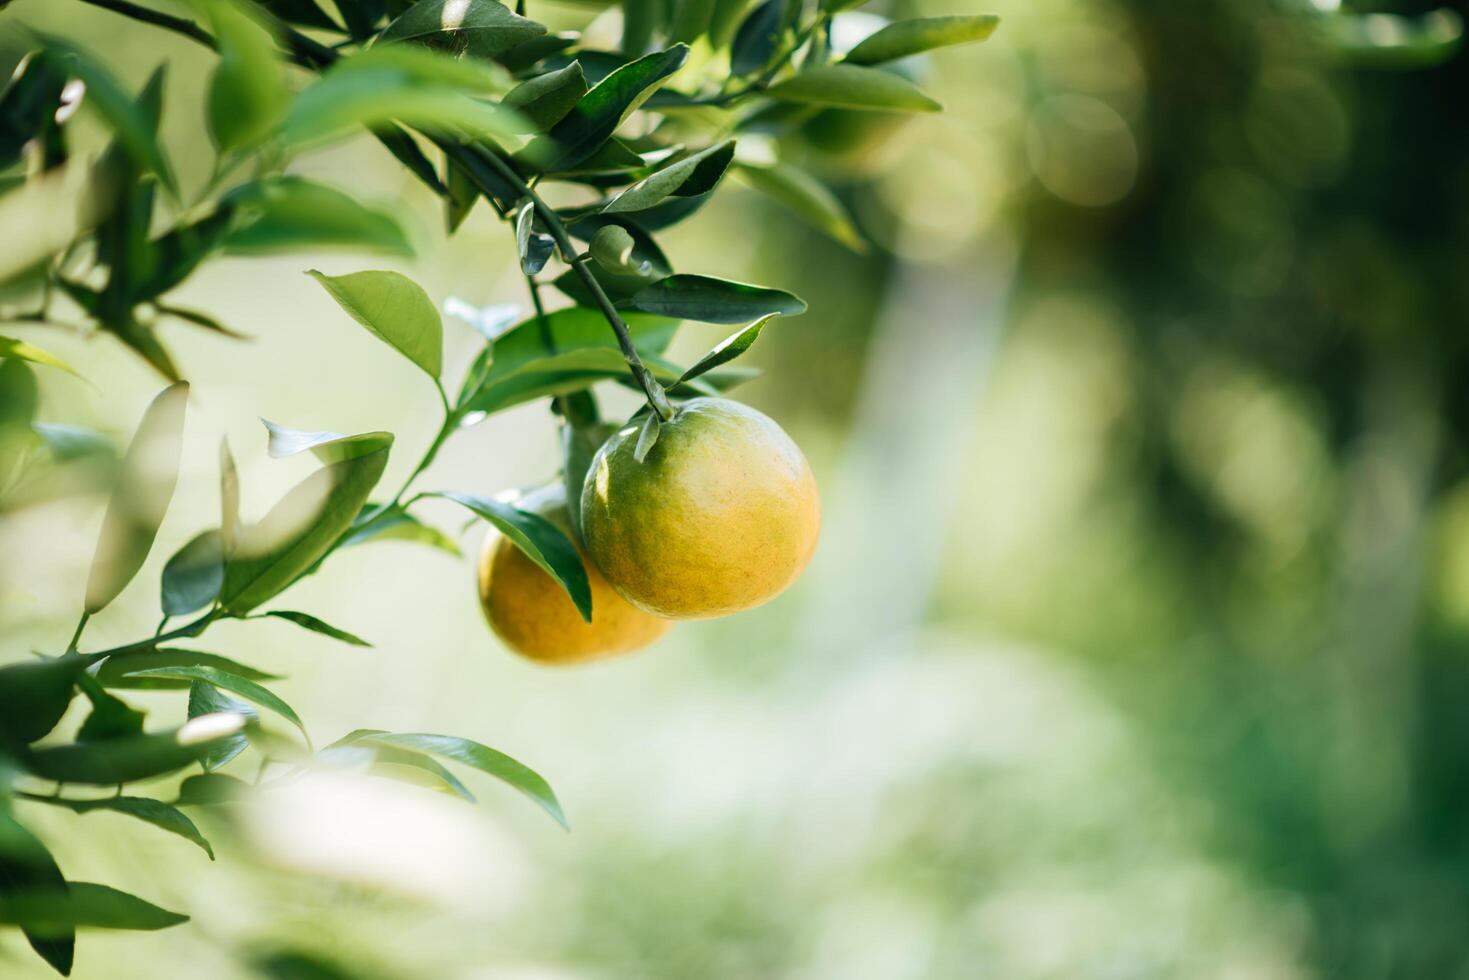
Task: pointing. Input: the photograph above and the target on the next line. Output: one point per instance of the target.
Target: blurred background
(1137, 643)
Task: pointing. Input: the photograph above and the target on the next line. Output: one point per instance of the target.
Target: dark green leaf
(283, 213)
(483, 28)
(125, 760)
(210, 789)
(756, 40)
(307, 621)
(481, 757)
(409, 153)
(235, 684)
(396, 309)
(542, 542)
(302, 526)
(135, 131)
(247, 94)
(727, 349)
(639, 22)
(598, 113)
(690, 20)
(691, 176)
(206, 699)
(304, 13)
(145, 487)
(160, 815)
(110, 718)
(579, 443)
(459, 192)
(713, 300)
(854, 88)
(193, 576)
(810, 199)
(722, 22)
(909, 37)
(117, 671)
(83, 904)
(29, 104)
(34, 695)
(27, 868)
(546, 99)
(525, 55)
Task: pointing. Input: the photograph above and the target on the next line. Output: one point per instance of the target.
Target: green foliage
(475, 101)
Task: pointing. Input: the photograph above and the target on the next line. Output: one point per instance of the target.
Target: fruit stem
(657, 398)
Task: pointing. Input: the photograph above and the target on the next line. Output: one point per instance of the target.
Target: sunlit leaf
(145, 486)
(853, 87)
(307, 621)
(117, 671)
(483, 28)
(691, 176)
(160, 815)
(10, 347)
(235, 684)
(727, 349)
(810, 199)
(396, 309)
(910, 37)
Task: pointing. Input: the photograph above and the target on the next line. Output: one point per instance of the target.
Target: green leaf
(117, 671)
(29, 104)
(854, 88)
(392, 761)
(579, 444)
(307, 621)
(544, 100)
(247, 95)
(136, 133)
(401, 526)
(229, 499)
(396, 309)
(711, 300)
(533, 247)
(722, 22)
(301, 12)
(598, 113)
(210, 789)
(909, 37)
(27, 868)
(481, 757)
(193, 576)
(69, 442)
(282, 213)
(34, 695)
(647, 436)
(160, 815)
(639, 21)
(125, 760)
(235, 684)
(304, 525)
(690, 20)
(482, 28)
(139, 501)
(398, 83)
(110, 718)
(727, 349)
(757, 38)
(810, 199)
(542, 542)
(691, 176)
(83, 904)
(206, 699)
(10, 347)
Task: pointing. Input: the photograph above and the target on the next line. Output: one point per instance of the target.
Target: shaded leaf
(579, 443)
(396, 309)
(757, 38)
(713, 300)
(34, 695)
(27, 868)
(160, 815)
(209, 789)
(810, 199)
(193, 576)
(540, 540)
(853, 87)
(125, 760)
(206, 699)
(110, 718)
(145, 486)
(235, 684)
(691, 176)
(83, 904)
(403, 526)
(598, 113)
(117, 671)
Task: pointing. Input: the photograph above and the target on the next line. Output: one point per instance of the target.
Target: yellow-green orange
(535, 617)
(720, 516)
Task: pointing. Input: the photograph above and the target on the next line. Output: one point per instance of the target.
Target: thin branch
(178, 25)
